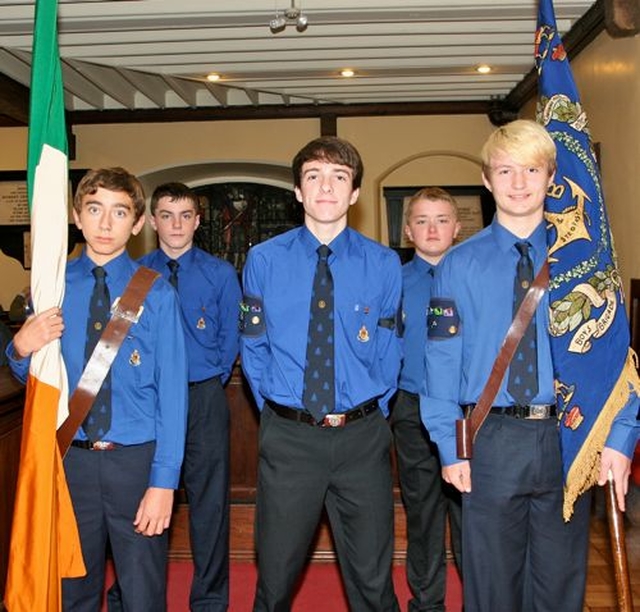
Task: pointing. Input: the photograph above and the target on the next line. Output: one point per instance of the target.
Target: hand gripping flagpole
(615, 519)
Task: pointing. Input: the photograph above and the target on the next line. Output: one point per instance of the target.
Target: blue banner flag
(594, 367)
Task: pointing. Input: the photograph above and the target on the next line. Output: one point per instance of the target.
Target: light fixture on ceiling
(292, 16)
(484, 69)
(212, 77)
(347, 73)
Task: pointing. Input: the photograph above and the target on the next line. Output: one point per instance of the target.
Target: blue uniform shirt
(417, 279)
(149, 374)
(278, 278)
(209, 293)
(475, 279)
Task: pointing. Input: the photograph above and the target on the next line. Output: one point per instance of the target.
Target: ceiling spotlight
(302, 23)
(484, 69)
(292, 16)
(347, 73)
(277, 24)
(213, 77)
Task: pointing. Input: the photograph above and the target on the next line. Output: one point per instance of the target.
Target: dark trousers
(205, 473)
(519, 554)
(106, 488)
(303, 469)
(427, 500)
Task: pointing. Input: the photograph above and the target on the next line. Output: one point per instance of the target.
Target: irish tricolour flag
(45, 545)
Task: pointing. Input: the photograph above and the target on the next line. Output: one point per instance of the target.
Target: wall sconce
(292, 16)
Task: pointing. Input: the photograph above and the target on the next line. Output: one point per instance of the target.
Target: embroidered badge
(573, 419)
(363, 334)
(201, 324)
(252, 316)
(134, 358)
(443, 320)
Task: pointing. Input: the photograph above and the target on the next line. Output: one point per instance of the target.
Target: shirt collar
(338, 245)
(115, 268)
(421, 265)
(506, 240)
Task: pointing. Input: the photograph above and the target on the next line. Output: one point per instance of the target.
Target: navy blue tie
(319, 375)
(173, 277)
(98, 421)
(523, 371)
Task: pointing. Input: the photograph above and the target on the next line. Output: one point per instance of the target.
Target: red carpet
(320, 591)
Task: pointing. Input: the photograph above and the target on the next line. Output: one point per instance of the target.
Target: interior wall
(607, 75)
(397, 151)
(608, 79)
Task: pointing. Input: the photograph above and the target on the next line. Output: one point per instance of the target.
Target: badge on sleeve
(251, 316)
(443, 320)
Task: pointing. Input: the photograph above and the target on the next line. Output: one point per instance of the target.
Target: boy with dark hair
(124, 462)
(321, 352)
(209, 293)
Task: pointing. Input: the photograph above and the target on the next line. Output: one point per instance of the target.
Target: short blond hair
(525, 141)
(431, 194)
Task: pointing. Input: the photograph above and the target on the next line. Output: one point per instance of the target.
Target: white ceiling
(154, 54)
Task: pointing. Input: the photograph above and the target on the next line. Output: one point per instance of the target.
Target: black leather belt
(335, 419)
(197, 383)
(98, 445)
(536, 412)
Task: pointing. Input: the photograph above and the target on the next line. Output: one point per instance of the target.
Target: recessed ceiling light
(347, 73)
(484, 69)
(213, 77)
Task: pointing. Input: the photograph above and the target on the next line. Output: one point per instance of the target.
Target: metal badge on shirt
(134, 358)
(251, 316)
(201, 323)
(443, 320)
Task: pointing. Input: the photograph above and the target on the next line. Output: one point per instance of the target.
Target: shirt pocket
(360, 322)
(200, 323)
(136, 358)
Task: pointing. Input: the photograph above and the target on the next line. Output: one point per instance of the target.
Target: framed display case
(15, 228)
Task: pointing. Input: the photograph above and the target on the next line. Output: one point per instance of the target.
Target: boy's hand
(459, 475)
(620, 467)
(37, 331)
(154, 511)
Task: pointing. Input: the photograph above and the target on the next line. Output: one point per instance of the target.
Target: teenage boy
(209, 293)
(431, 224)
(519, 554)
(321, 352)
(123, 465)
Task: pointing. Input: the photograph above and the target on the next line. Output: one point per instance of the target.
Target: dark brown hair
(332, 150)
(112, 179)
(174, 191)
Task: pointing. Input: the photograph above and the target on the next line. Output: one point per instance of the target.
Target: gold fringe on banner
(585, 469)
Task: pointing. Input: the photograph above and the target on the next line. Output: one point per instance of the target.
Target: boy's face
(176, 222)
(519, 191)
(107, 220)
(326, 192)
(432, 227)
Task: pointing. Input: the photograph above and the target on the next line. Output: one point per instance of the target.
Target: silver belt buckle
(539, 412)
(334, 420)
(101, 445)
